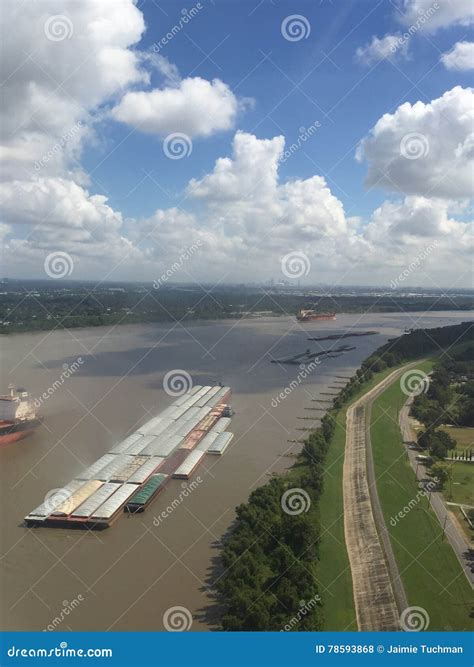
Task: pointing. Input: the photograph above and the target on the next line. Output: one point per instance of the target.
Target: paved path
(463, 549)
(379, 596)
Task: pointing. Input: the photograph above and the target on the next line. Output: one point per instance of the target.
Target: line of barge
(136, 469)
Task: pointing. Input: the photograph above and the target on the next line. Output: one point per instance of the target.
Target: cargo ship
(18, 417)
(311, 315)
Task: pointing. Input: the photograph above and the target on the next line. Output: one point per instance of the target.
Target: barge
(135, 470)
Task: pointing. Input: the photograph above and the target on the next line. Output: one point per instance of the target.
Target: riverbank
(332, 574)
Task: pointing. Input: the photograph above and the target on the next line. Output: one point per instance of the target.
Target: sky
(322, 141)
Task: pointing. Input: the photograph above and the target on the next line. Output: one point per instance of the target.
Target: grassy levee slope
(333, 569)
(429, 569)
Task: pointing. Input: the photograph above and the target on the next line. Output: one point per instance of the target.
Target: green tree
(441, 472)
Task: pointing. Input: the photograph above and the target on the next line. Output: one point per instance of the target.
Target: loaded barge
(130, 476)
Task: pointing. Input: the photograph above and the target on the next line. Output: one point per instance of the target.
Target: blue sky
(249, 54)
(375, 98)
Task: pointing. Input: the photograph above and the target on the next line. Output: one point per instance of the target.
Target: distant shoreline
(209, 320)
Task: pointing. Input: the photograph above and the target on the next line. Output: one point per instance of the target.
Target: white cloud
(195, 107)
(250, 174)
(414, 219)
(245, 221)
(431, 15)
(382, 48)
(439, 134)
(52, 85)
(460, 58)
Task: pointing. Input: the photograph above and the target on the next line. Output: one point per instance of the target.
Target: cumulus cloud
(381, 49)
(431, 15)
(243, 197)
(60, 62)
(58, 215)
(196, 107)
(460, 58)
(424, 149)
(245, 220)
(63, 215)
(252, 220)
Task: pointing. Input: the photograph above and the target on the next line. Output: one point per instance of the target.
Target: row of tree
(448, 400)
(270, 556)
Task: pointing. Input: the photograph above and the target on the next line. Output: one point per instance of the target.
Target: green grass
(461, 487)
(430, 571)
(468, 531)
(333, 570)
(464, 436)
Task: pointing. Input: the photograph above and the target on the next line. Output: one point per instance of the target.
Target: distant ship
(17, 416)
(311, 315)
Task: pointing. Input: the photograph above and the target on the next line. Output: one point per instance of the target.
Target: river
(127, 577)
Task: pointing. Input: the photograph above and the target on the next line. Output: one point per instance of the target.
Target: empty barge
(136, 469)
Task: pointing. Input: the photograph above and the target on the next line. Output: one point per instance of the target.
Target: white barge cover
(137, 446)
(128, 469)
(107, 473)
(55, 500)
(122, 446)
(77, 498)
(116, 500)
(96, 500)
(221, 424)
(221, 443)
(217, 398)
(140, 475)
(92, 471)
(189, 464)
(207, 441)
(162, 446)
(155, 426)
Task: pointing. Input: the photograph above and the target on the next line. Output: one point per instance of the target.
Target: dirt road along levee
(375, 578)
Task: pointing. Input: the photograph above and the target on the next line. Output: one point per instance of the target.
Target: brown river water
(128, 576)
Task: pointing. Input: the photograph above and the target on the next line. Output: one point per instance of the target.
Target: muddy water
(125, 578)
